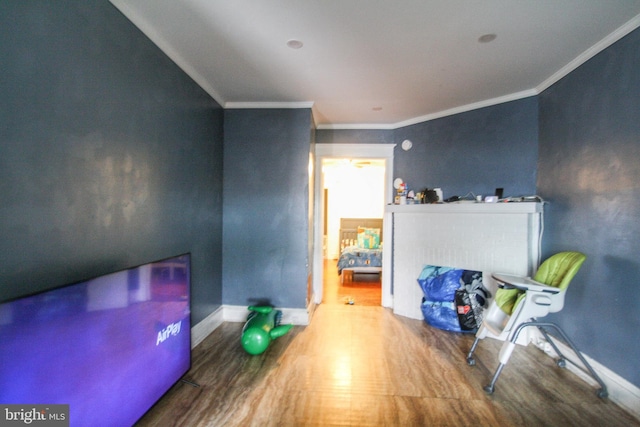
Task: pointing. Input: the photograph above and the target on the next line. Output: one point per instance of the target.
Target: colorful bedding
(356, 257)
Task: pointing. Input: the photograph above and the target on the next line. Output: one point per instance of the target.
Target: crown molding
(267, 105)
(173, 54)
(149, 31)
(619, 33)
(469, 107)
(358, 126)
(457, 110)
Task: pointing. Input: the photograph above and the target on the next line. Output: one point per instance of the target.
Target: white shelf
(468, 207)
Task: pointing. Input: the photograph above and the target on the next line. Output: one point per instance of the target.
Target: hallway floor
(363, 293)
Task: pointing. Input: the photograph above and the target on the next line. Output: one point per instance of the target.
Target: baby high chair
(520, 301)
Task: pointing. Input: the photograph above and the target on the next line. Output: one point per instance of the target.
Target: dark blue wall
(110, 156)
(355, 136)
(266, 196)
(476, 151)
(589, 171)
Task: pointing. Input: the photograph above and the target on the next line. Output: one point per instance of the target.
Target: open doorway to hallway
(382, 152)
(352, 188)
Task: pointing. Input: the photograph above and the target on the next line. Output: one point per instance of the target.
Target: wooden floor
(363, 289)
(361, 365)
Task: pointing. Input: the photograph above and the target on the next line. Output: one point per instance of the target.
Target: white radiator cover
(487, 237)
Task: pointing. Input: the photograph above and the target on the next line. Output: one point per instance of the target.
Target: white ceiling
(379, 63)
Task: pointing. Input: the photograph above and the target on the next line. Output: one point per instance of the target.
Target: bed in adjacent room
(360, 247)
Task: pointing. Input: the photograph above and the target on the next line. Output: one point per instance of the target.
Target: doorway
(353, 188)
(382, 153)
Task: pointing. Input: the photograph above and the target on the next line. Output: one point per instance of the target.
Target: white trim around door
(339, 151)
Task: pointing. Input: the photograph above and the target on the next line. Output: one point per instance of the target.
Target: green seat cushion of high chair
(507, 299)
(556, 271)
(559, 269)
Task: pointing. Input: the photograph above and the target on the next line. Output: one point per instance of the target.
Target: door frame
(352, 151)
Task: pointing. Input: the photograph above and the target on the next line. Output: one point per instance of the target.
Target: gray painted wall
(476, 151)
(589, 171)
(266, 206)
(355, 136)
(110, 156)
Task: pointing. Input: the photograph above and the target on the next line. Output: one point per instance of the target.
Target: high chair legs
(509, 346)
(470, 360)
(562, 361)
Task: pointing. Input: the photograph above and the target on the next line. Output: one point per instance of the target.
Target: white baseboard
(311, 309)
(296, 316)
(202, 330)
(237, 313)
(621, 391)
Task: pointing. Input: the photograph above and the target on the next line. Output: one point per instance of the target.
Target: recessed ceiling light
(487, 38)
(295, 44)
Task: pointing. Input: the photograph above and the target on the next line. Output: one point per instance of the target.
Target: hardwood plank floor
(359, 365)
(367, 292)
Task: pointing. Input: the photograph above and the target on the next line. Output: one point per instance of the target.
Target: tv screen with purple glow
(108, 347)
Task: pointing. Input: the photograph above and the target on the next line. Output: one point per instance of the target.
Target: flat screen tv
(108, 347)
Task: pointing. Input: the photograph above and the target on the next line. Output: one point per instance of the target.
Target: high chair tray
(523, 283)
